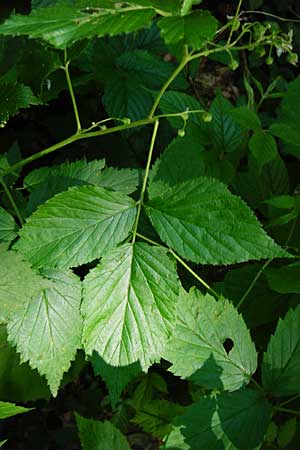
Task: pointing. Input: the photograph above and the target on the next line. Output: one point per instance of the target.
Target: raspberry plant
(115, 264)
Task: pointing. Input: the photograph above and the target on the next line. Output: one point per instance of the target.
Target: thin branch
(144, 186)
(12, 201)
(70, 87)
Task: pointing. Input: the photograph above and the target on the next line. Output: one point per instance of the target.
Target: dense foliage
(149, 225)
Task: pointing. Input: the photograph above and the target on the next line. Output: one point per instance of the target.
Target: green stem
(176, 72)
(289, 411)
(74, 138)
(234, 21)
(195, 275)
(144, 186)
(66, 70)
(257, 276)
(289, 401)
(183, 263)
(11, 199)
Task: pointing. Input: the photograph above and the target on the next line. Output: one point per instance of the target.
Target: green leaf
(45, 182)
(196, 347)
(18, 382)
(286, 133)
(99, 435)
(123, 99)
(10, 409)
(151, 385)
(176, 165)
(18, 283)
(246, 118)
(281, 362)
(80, 170)
(285, 280)
(178, 102)
(263, 147)
(187, 5)
(203, 222)
(193, 29)
(120, 180)
(261, 298)
(8, 227)
(63, 25)
(226, 135)
(12, 156)
(287, 432)
(116, 378)
(2, 443)
(287, 127)
(14, 97)
(156, 416)
(129, 305)
(235, 421)
(47, 332)
(282, 202)
(76, 227)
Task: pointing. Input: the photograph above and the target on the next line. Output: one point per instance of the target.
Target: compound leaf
(100, 435)
(76, 227)
(47, 331)
(63, 25)
(129, 305)
(215, 422)
(8, 227)
(281, 362)
(203, 222)
(18, 283)
(196, 347)
(10, 409)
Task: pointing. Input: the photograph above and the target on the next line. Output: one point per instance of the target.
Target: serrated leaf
(226, 135)
(8, 226)
(178, 102)
(284, 280)
(263, 147)
(76, 227)
(81, 170)
(99, 435)
(215, 423)
(10, 409)
(116, 378)
(18, 283)
(45, 182)
(193, 29)
(13, 97)
(129, 305)
(47, 332)
(18, 382)
(261, 298)
(203, 222)
(120, 180)
(150, 385)
(281, 362)
(184, 159)
(196, 347)
(156, 416)
(246, 118)
(122, 98)
(63, 25)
